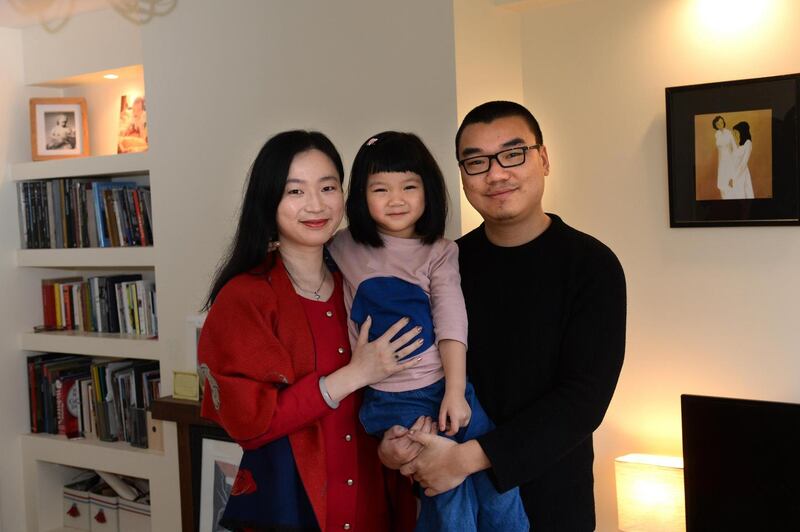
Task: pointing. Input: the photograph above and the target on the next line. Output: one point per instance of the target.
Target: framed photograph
(132, 124)
(219, 463)
(732, 150)
(59, 128)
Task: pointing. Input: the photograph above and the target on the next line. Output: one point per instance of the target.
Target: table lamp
(650, 493)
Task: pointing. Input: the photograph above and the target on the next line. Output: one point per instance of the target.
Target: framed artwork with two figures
(732, 151)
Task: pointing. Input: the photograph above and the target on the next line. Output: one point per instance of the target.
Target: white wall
(488, 67)
(220, 81)
(711, 310)
(89, 42)
(16, 287)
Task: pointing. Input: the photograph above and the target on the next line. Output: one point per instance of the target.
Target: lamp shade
(650, 493)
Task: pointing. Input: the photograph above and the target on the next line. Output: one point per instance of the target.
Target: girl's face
(736, 135)
(396, 200)
(312, 205)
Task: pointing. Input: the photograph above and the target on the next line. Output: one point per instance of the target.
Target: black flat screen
(741, 464)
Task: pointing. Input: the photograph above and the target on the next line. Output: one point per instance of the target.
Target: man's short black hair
(491, 111)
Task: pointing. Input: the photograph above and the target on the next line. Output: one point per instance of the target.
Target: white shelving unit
(118, 165)
(49, 460)
(94, 344)
(70, 258)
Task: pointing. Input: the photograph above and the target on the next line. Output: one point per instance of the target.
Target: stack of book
(115, 304)
(82, 213)
(95, 398)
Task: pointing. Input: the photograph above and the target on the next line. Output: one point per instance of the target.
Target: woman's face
(719, 123)
(312, 205)
(736, 136)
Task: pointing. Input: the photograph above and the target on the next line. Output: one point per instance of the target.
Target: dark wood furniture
(191, 431)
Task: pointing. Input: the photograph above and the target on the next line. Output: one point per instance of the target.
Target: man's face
(504, 195)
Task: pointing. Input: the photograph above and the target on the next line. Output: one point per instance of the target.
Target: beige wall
(712, 310)
(488, 44)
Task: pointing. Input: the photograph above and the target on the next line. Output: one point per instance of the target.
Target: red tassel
(73, 511)
(100, 517)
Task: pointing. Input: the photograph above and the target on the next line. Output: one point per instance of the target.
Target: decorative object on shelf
(185, 385)
(220, 467)
(59, 128)
(650, 493)
(194, 326)
(132, 125)
(733, 153)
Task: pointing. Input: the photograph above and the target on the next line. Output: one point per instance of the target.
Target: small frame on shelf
(59, 128)
(733, 153)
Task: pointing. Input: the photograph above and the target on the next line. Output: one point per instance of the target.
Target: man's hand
(439, 467)
(397, 448)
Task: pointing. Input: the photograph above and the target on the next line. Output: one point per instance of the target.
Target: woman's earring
(272, 246)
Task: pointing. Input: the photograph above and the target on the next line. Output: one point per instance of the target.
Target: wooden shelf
(95, 344)
(114, 457)
(89, 258)
(102, 165)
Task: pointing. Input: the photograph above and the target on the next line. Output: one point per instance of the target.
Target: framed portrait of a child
(59, 128)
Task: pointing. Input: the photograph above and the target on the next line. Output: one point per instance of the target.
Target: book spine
(33, 394)
(148, 218)
(55, 199)
(23, 228)
(77, 312)
(111, 220)
(119, 213)
(48, 305)
(66, 295)
(51, 215)
(139, 221)
(122, 315)
(100, 215)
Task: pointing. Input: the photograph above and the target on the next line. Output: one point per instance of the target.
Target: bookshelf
(48, 461)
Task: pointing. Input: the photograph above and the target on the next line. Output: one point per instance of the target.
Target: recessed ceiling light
(111, 76)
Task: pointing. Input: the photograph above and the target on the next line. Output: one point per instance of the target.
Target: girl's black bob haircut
(392, 151)
(264, 190)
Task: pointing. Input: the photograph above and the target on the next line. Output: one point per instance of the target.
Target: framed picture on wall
(59, 128)
(732, 150)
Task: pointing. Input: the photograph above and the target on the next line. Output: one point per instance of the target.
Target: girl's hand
(454, 413)
(376, 360)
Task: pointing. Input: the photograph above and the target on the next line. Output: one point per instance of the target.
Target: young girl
(396, 264)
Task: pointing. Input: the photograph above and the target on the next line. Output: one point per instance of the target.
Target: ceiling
(23, 13)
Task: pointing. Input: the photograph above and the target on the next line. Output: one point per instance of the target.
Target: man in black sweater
(546, 307)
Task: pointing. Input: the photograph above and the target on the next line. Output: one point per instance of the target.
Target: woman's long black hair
(265, 186)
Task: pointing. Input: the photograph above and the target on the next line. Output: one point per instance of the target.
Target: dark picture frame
(740, 170)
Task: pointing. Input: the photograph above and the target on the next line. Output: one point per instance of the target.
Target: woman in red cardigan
(280, 377)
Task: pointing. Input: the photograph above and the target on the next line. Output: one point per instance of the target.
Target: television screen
(741, 464)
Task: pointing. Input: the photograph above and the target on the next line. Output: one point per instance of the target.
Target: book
(50, 300)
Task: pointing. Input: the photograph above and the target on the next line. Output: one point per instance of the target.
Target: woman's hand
(372, 362)
(454, 412)
(376, 360)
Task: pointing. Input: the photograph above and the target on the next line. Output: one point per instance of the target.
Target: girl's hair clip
(371, 141)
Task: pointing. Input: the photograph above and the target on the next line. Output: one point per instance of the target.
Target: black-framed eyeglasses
(509, 158)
